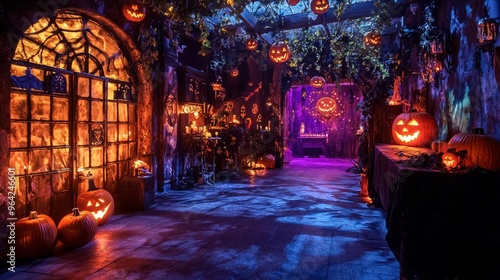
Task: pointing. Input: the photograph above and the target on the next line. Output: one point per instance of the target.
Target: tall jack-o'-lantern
(279, 52)
(252, 44)
(416, 129)
(320, 6)
(317, 82)
(98, 202)
(134, 11)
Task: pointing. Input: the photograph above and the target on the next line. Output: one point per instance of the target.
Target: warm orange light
(134, 11)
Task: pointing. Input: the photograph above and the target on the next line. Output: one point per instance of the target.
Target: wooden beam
(249, 21)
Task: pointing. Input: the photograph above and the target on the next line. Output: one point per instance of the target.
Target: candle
(187, 129)
(234, 118)
(268, 123)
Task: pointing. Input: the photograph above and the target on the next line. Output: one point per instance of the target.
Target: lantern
(326, 106)
(134, 11)
(217, 86)
(98, 202)
(77, 229)
(234, 72)
(486, 30)
(439, 146)
(320, 6)
(36, 235)
(252, 44)
(482, 150)
(279, 52)
(293, 2)
(317, 82)
(450, 160)
(373, 39)
(416, 129)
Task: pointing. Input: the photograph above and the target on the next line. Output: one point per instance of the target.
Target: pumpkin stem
(478, 131)
(33, 215)
(76, 212)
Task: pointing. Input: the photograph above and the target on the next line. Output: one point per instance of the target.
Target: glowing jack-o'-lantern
(234, 72)
(279, 52)
(326, 106)
(98, 202)
(373, 39)
(450, 160)
(252, 44)
(320, 6)
(134, 11)
(416, 129)
(317, 82)
(266, 161)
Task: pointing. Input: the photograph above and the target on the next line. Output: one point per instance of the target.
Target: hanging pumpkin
(373, 39)
(320, 6)
(483, 150)
(234, 72)
(450, 160)
(134, 11)
(77, 229)
(317, 82)
(36, 235)
(417, 129)
(266, 161)
(439, 146)
(279, 52)
(252, 44)
(293, 2)
(98, 202)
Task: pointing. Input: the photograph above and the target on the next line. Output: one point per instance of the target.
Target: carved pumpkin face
(326, 106)
(320, 6)
(373, 39)
(252, 44)
(416, 129)
(99, 203)
(450, 160)
(134, 11)
(279, 52)
(234, 72)
(317, 82)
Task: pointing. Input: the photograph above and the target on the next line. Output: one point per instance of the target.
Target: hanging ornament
(252, 44)
(134, 11)
(317, 82)
(372, 39)
(320, 6)
(279, 52)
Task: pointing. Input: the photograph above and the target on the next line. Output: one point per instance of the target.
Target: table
(440, 224)
(312, 142)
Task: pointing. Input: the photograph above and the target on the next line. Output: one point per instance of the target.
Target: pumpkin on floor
(99, 202)
(417, 129)
(267, 161)
(36, 235)
(77, 229)
(483, 150)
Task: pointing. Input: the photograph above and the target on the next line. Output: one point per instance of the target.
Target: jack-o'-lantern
(98, 202)
(293, 2)
(320, 6)
(266, 161)
(77, 229)
(279, 52)
(317, 82)
(326, 106)
(483, 150)
(134, 11)
(234, 72)
(252, 44)
(36, 235)
(449, 160)
(417, 129)
(373, 39)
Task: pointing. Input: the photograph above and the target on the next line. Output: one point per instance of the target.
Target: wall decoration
(97, 134)
(326, 107)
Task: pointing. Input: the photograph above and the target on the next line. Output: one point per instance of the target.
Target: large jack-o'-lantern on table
(416, 129)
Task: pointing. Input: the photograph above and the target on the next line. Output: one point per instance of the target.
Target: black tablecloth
(440, 224)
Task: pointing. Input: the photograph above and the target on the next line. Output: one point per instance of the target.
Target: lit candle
(234, 118)
(187, 129)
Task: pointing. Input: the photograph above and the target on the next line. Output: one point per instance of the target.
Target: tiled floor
(303, 221)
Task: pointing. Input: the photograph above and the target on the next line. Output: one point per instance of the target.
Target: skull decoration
(279, 52)
(134, 11)
(243, 111)
(320, 6)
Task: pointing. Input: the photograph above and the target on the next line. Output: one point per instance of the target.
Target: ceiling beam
(250, 22)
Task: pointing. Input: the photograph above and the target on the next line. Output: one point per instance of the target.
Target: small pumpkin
(450, 160)
(99, 202)
(483, 150)
(266, 161)
(317, 82)
(373, 39)
(417, 129)
(279, 52)
(134, 11)
(36, 235)
(320, 6)
(77, 229)
(234, 72)
(252, 44)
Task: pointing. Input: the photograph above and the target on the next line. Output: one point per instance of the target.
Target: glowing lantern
(320, 6)
(326, 106)
(279, 52)
(373, 39)
(416, 129)
(77, 229)
(134, 11)
(293, 2)
(234, 72)
(317, 82)
(450, 160)
(252, 44)
(217, 86)
(482, 150)
(486, 30)
(36, 235)
(98, 202)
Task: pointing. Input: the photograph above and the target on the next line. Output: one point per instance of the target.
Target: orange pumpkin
(373, 39)
(483, 150)
(417, 129)
(326, 106)
(98, 202)
(134, 11)
(36, 235)
(317, 82)
(279, 52)
(267, 161)
(252, 44)
(320, 6)
(234, 72)
(450, 160)
(293, 2)
(77, 229)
